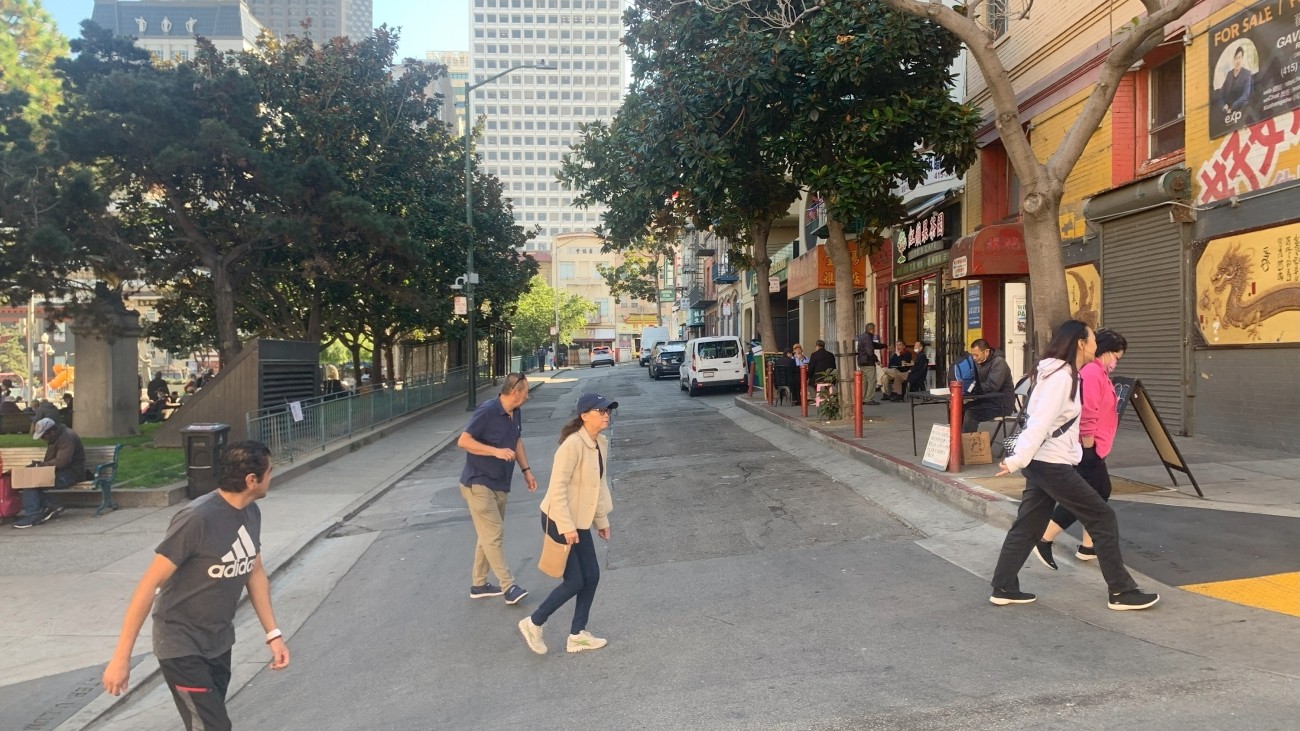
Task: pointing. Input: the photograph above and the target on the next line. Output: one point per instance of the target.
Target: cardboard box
(24, 477)
(975, 448)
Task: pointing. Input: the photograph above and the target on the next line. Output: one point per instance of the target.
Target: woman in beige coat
(576, 498)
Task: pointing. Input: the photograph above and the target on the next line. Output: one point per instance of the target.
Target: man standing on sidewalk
(212, 550)
(493, 442)
(868, 361)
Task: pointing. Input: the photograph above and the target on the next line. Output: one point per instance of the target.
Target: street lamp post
(45, 365)
(470, 276)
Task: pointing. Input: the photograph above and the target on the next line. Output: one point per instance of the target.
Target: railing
(325, 420)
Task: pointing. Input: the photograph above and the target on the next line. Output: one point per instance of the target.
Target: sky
(446, 28)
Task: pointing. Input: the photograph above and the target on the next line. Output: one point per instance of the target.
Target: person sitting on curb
(66, 454)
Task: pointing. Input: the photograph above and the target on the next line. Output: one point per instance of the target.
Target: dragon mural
(1083, 299)
(1230, 301)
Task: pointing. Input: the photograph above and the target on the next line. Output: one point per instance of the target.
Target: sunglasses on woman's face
(602, 412)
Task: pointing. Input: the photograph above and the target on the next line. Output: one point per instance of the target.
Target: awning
(993, 251)
(921, 207)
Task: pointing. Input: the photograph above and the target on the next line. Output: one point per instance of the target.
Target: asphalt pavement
(755, 579)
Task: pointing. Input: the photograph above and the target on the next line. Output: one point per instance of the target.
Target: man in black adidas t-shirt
(212, 550)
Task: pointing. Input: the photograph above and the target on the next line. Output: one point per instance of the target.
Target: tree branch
(1145, 36)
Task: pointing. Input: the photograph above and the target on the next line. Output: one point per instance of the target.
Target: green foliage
(535, 316)
(13, 349)
(831, 407)
(28, 50)
(295, 190)
(636, 275)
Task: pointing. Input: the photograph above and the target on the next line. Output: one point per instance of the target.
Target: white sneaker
(533, 635)
(584, 641)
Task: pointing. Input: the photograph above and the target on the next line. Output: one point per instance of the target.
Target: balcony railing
(724, 274)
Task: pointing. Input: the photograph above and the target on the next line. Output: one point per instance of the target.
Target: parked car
(602, 355)
(713, 362)
(666, 359)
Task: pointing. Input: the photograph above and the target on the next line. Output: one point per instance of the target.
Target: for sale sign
(1254, 65)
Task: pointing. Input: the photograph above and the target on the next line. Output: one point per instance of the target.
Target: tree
(873, 111)
(535, 314)
(1042, 181)
(28, 50)
(695, 137)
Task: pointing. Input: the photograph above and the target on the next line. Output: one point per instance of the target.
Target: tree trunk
(759, 231)
(315, 323)
(837, 248)
(1049, 298)
(356, 360)
(391, 356)
(228, 345)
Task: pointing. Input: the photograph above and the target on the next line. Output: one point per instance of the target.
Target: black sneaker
(1043, 550)
(20, 525)
(52, 513)
(1002, 597)
(1086, 553)
(484, 591)
(1132, 599)
(515, 593)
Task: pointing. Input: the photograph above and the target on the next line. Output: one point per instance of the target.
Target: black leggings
(1093, 470)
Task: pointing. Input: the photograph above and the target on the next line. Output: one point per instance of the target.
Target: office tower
(457, 63)
(533, 116)
(329, 18)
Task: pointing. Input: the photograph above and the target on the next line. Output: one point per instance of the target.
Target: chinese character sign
(1248, 288)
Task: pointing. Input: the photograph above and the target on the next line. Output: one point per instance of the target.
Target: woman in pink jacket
(576, 499)
(1097, 427)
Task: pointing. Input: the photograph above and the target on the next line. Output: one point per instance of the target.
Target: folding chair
(1004, 424)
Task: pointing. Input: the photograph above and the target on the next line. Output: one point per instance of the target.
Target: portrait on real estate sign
(1248, 288)
(1254, 71)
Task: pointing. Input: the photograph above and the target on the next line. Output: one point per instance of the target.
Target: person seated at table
(920, 368)
(893, 376)
(992, 377)
(796, 352)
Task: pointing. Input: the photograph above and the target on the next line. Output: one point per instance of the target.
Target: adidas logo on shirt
(238, 561)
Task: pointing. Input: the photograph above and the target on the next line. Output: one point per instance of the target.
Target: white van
(711, 363)
(650, 337)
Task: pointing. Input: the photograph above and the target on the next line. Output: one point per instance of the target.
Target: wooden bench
(101, 461)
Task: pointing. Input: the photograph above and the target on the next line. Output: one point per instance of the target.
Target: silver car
(602, 355)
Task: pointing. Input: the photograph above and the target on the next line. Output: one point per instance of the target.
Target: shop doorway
(1015, 326)
(952, 345)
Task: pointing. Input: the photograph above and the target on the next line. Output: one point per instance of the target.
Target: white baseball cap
(42, 426)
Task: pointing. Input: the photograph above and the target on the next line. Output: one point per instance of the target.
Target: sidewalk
(65, 585)
(1239, 543)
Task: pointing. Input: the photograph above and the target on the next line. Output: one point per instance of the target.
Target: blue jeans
(581, 575)
(35, 503)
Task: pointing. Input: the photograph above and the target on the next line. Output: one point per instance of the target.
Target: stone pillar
(108, 393)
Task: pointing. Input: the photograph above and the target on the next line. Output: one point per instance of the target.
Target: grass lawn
(140, 463)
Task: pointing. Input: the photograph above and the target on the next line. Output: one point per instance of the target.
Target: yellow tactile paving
(1276, 593)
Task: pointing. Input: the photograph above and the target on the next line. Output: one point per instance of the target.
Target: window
(566, 270)
(997, 17)
(1167, 118)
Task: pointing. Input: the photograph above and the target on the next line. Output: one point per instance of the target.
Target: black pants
(1046, 483)
(581, 576)
(1093, 470)
(198, 685)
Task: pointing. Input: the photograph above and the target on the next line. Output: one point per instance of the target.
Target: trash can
(204, 446)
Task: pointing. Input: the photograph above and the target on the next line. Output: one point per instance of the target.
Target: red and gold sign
(813, 270)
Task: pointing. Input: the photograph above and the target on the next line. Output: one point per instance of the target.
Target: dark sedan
(666, 359)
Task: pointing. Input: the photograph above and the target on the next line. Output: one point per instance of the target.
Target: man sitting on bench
(66, 454)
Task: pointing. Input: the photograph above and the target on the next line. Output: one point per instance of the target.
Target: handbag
(555, 556)
(1009, 444)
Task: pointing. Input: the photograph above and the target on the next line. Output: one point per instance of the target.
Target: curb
(146, 673)
(989, 507)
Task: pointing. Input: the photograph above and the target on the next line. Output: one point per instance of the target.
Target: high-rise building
(329, 18)
(457, 63)
(532, 117)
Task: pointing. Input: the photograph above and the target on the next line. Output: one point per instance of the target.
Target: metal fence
(315, 424)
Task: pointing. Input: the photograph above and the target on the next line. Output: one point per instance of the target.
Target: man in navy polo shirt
(493, 442)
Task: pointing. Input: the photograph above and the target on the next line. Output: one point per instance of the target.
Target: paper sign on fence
(295, 408)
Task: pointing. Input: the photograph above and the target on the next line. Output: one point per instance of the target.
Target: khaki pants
(487, 508)
(892, 379)
(868, 383)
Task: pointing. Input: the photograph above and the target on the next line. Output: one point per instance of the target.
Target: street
(746, 585)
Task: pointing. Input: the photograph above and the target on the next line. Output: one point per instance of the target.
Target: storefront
(925, 306)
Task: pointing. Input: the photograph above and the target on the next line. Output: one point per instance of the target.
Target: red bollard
(803, 390)
(857, 404)
(954, 426)
(768, 390)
